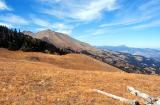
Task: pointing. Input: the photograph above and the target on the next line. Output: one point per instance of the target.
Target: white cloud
(6, 24)
(123, 22)
(98, 31)
(151, 4)
(40, 22)
(13, 19)
(94, 9)
(147, 25)
(59, 27)
(81, 10)
(51, 1)
(150, 8)
(130, 17)
(3, 6)
(126, 21)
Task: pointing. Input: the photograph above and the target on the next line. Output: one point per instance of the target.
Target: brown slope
(24, 82)
(70, 61)
(64, 41)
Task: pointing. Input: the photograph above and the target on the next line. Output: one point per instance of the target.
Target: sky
(135, 23)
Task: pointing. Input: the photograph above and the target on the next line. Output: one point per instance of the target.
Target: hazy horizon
(134, 23)
(158, 48)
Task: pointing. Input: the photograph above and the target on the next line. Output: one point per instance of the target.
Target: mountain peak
(61, 40)
(46, 30)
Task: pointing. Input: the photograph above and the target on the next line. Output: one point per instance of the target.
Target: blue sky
(134, 23)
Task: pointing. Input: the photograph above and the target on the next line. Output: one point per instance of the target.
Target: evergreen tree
(13, 40)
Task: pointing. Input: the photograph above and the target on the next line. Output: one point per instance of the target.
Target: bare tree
(128, 101)
(148, 99)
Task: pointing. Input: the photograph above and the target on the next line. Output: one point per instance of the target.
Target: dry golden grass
(41, 79)
(70, 61)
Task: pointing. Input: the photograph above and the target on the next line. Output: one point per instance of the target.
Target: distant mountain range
(48, 41)
(146, 52)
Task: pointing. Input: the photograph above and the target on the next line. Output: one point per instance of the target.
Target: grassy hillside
(42, 79)
(70, 61)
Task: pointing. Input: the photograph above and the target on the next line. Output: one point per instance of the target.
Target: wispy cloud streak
(83, 10)
(137, 15)
(13, 19)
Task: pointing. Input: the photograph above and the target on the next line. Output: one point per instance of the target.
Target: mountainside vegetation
(16, 40)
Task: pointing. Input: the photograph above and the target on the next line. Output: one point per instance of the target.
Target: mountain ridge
(63, 40)
(58, 43)
(124, 61)
(147, 52)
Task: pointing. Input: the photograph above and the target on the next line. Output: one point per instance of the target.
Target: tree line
(16, 40)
